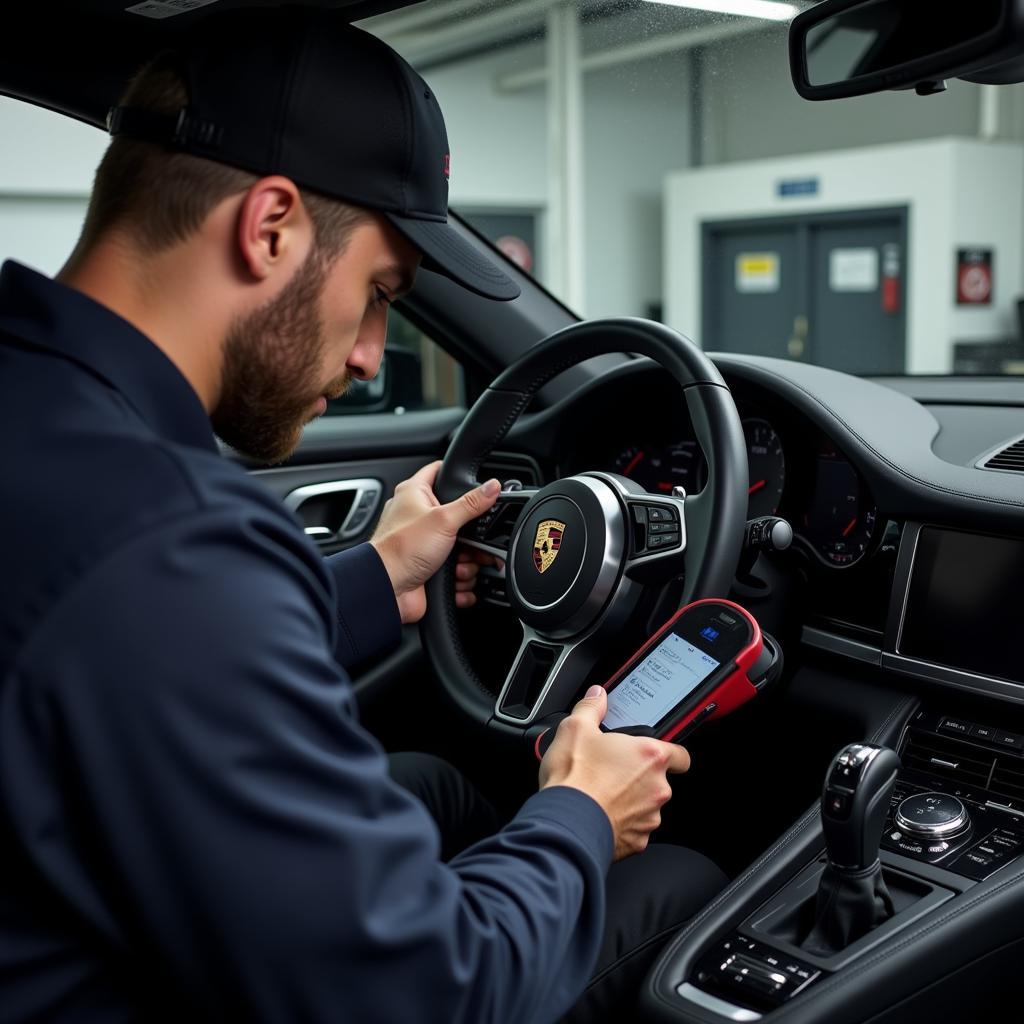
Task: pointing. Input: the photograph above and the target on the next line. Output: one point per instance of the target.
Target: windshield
(653, 159)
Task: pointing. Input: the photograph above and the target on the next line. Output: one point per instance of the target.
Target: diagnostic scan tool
(707, 660)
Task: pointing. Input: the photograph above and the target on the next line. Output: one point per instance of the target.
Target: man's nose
(365, 358)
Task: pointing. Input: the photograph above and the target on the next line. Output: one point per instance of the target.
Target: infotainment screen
(965, 602)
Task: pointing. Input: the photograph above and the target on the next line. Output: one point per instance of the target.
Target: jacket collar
(48, 315)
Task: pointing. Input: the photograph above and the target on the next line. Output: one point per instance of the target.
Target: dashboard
(864, 472)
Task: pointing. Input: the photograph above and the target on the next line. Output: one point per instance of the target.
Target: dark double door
(828, 289)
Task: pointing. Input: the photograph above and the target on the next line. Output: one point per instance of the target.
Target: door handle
(336, 511)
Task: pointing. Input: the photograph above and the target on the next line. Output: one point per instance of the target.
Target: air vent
(1008, 778)
(948, 758)
(1009, 459)
(511, 466)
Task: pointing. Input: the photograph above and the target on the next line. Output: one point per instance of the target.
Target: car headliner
(76, 56)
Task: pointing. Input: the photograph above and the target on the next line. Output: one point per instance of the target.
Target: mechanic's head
(289, 174)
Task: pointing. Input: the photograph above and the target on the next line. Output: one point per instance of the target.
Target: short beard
(271, 365)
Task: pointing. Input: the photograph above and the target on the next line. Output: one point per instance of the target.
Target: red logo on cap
(447, 165)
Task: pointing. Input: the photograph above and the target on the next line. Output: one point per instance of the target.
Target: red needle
(754, 488)
(664, 487)
(849, 526)
(633, 463)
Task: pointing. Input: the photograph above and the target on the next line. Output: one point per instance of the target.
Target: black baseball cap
(302, 93)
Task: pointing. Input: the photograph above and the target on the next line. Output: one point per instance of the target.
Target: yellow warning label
(757, 272)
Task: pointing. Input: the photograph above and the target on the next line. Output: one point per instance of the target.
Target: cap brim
(446, 252)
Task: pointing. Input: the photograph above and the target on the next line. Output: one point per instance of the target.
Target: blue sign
(709, 634)
(797, 187)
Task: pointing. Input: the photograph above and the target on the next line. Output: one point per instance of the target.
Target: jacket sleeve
(369, 625)
(235, 831)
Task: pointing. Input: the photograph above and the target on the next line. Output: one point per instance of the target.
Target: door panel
(857, 318)
(750, 291)
(286, 480)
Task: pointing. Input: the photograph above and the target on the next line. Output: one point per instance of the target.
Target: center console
(872, 896)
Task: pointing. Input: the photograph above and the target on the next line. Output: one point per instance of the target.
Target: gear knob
(855, 801)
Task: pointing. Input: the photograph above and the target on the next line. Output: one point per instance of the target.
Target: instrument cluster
(795, 472)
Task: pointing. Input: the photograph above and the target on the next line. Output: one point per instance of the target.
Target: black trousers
(649, 896)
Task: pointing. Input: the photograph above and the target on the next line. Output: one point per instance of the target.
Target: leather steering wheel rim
(715, 518)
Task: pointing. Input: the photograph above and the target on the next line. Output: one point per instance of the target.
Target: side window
(416, 373)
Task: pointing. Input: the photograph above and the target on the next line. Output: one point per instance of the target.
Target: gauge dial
(658, 469)
(840, 520)
(767, 463)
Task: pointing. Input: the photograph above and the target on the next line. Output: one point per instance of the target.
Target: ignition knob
(934, 815)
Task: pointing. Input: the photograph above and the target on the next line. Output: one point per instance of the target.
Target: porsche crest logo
(546, 543)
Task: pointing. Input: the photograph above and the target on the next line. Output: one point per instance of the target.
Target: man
(194, 826)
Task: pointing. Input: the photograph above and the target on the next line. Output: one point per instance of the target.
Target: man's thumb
(594, 704)
(473, 503)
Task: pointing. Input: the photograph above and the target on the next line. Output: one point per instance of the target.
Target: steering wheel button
(658, 514)
(664, 527)
(662, 540)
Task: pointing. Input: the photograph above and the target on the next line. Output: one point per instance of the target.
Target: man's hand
(626, 775)
(466, 571)
(416, 534)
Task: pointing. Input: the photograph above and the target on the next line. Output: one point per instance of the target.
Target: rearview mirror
(851, 47)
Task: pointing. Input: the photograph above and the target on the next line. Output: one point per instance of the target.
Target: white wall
(45, 152)
(46, 166)
(498, 140)
(961, 193)
(753, 111)
(635, 131)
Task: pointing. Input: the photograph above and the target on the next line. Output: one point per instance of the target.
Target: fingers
(466, 571)
(679, 759)
(472, 504)
(593, 706)
(427, 475)
(465, 599)
(479, 557)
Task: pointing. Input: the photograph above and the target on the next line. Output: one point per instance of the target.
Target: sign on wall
(853, 270)
(757, 272)
(974, 277)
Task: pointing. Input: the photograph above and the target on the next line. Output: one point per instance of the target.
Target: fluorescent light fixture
(770, 10)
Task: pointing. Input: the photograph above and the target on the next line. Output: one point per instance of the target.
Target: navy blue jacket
(193, 824)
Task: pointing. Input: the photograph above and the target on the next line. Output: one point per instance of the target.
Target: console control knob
(934, 815)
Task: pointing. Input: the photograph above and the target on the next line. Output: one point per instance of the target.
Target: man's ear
(274, 229)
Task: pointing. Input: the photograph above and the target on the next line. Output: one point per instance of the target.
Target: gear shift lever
(852, 895)
(855, 802)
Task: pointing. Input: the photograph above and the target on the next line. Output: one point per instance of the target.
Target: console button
(749, 973)
(1005, 841)
(983, 732)
(957, 725)
(1010, 740)
(837, 804)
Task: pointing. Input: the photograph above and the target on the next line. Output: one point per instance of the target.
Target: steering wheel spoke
(544, 677)
(492, 532)
(657, 543)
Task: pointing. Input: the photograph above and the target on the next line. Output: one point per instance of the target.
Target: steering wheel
(579, 551)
